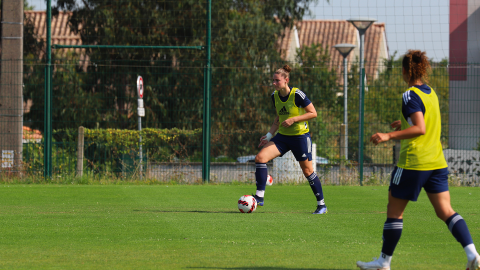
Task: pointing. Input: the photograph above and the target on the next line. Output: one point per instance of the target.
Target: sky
(37, 4)
(409, 24)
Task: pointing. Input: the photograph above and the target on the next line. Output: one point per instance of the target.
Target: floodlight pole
(362, 24)
(345, 103)
(360, 108)
(344, 50)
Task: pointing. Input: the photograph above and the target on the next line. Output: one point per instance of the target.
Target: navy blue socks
(392, 230)
(261, 174)
(458, 227)
(316, 187)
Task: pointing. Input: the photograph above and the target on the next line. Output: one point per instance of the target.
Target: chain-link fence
(93, 124)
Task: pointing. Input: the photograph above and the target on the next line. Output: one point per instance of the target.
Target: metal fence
(207, 101)
(101, 98)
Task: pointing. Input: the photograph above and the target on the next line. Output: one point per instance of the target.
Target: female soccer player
(421, 164)
(294, 109)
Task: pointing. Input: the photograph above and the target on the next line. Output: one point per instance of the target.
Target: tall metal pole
(47, 153)
(360, 110)
(362, 24)
(206, 100)
(345, 104)
(345, 49)
(362, 89)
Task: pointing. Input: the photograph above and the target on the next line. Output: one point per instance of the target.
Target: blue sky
(410, 24)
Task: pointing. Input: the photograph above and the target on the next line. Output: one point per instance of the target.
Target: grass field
(200, 227)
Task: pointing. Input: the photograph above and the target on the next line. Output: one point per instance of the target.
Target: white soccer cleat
(474, 264)
(373, 265)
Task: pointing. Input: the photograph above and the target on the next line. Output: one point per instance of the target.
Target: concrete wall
(464, 69)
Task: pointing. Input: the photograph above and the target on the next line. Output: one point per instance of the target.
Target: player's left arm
(310, 113)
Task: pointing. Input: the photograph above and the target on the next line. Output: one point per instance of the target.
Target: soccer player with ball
(294, 109)
(421, 164)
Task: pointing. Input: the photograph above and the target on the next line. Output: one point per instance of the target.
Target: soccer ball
(269, 180)
(247, 204)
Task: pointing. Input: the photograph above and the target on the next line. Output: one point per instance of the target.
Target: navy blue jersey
(301, 100)
(413, 103)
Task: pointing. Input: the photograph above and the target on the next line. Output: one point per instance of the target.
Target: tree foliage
(101, 92)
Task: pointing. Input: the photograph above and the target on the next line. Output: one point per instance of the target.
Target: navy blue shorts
(407, 184)
(300, 145)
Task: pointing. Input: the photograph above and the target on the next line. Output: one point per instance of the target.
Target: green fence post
(362, 110)
(206, 101)
(47, 151)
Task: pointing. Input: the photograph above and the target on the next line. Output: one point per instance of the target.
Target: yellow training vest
(424, 153)
(288, 109)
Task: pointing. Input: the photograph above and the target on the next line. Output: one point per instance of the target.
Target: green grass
(200, 227)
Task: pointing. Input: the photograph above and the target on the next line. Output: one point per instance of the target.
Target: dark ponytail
(416, 65)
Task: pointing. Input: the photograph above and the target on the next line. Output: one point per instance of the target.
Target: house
(61, 33)
(332, 32)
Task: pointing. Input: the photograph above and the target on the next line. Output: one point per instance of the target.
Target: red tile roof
(332, 32)
(61, 33)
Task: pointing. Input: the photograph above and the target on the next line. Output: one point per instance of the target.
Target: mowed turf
(200, 227)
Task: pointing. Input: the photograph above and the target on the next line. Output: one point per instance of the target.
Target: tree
(244, 36)
(318, 80)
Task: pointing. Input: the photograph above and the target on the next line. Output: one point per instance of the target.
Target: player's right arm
(417, 129)
(266, 138)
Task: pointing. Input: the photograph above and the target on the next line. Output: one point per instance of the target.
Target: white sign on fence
(7, 158)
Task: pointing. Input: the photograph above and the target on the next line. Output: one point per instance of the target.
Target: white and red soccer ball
(247, 204)
(269, 180)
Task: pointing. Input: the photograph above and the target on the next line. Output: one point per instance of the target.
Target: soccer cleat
(474, 264)
(373, 265)
(321, 209)
(259, 200)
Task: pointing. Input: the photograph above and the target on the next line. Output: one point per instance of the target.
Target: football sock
(260, 193)
(384, 259)
(316, 187)
(392, 230)
(261, 174)
(322, 202)
(458, 227)
(471, 252)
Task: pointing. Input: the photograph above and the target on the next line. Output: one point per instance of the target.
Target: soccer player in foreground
(421, 164)
(294, 109)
